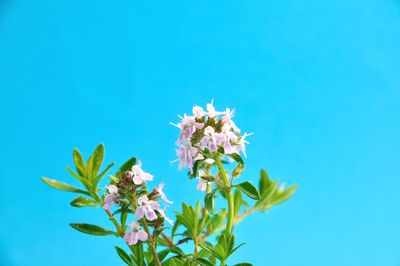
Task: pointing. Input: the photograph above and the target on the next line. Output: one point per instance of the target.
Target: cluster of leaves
(87, 173)
(200, 225)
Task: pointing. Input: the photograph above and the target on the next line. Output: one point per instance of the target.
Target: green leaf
(264, 181)
(220, 252)
(248, 189)
(237, 198)
(81, 179)
(238, 170)
(236, 248)
(123, 217)
(163, 254)
(237, 158)
(174, 228)
(100, 176)
(62, 186)
(123, 255)
(94, 162)
(283, 196)
(203, 262)
(92, 229)
(209, 200)
(83, 202)
(79, 162)
(243, 264)
(127, 166)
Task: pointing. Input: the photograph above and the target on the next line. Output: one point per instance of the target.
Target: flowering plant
(211, 146)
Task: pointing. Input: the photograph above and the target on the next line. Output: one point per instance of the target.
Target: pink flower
(147, 208)
(188, 155)
(139, 176)
(162, 213)
(211, 110)
(209, 141)
(198, 112)
(202, 184)
(136, 234)
(227, 119)
(109, 199)
(162, 194)
(240, 145)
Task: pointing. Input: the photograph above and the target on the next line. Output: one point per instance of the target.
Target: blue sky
(317, 82)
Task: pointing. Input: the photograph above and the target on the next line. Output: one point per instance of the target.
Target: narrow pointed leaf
(83, 202)
(237, 158)
(209, 200)
(127, 165)
(92, 229)
(248, 189)
(203, 262)
(79, 162)
(94, 162)
(62, 186)
(100, 176)
(81, 179)
(264, 182)
(283, 196)
(123, 255)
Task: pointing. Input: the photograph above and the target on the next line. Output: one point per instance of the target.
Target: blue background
(317, 82)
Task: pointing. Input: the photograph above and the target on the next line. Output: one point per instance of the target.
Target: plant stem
(231, 207)
(151, 242)
(169, 240)
(208, 190)
(112, 219)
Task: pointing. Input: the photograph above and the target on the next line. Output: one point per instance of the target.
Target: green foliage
(209, 200)
(127, 165)
(194, 224)
(248, 189)
(94, 162)
(63, 186)
(83, 202)
(87, 174)
(270, 193)
(224, 248)
(92, 229)
(124, 256)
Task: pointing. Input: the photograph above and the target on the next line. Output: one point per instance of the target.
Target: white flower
(211, 110)
(188, 155)
(162, 194)
(240, 145)
(139, 176)
(209, 141)
(148, 208)
(202, 185)
(198, 112)
(194, 138)
(135, 234)
(109, 199)
(227, 119)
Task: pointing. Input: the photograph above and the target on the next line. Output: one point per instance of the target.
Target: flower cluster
(204, 132)
(129, 189)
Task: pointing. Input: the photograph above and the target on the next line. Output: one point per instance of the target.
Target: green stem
(208, 190)
(117, 226)
(151, 242)
(229, 195)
